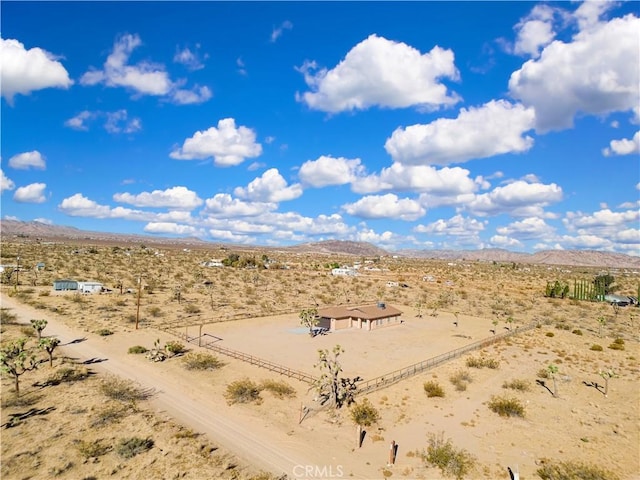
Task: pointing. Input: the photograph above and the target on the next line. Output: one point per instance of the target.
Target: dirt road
(250, 442)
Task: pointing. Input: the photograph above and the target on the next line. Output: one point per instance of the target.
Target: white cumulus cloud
(27, 160)
(6, 183)
(381, 72)
(623, 147)
(23, 71)
(270, 187)
(223, 204)
(595, 73)
(497, 127)
(177, 197)
(327, 170)
(33, 193)
(518, 198)
(385, 206)
(527, 229)
(227, 144)
(457, 226)
(171, 228)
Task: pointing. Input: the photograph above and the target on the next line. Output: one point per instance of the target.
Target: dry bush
(596, 348)
(90, 449)
(202, 361)
(506, 406)
(517, 384)
(130, 447)
(137, 349)
(243, 391)
(123, 390)
(481, 362)
(433, 389)
(573, 471)
(67, 374)
(461, 380)
(452, 461)
(280, 389)
(7, 317)
(112, 413)
(617, 344)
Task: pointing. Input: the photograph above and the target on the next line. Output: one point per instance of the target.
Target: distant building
(367, 317)
(61, 285)
(344, 271)
(90, 287)
(212, 263)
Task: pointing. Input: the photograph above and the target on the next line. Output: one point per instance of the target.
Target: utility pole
(17, 271)
(138, 307)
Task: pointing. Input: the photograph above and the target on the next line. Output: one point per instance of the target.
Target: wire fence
(390, 378)
(209, 342)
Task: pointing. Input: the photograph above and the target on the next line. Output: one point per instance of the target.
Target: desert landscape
(556, 398)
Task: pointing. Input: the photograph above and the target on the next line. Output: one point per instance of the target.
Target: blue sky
(423, 125)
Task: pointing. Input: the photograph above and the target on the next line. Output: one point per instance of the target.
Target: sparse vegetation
(104, 332)
(243, 391)
(563, 470)
(202, 361)
(617, 344)
(452, 462)
(596, 348)
(461, 380)
(506, 406)
(482, 362)
(517, 384)
(123, 390)
(130, 447)
(279, 388)
(137, 349)
(433, 389)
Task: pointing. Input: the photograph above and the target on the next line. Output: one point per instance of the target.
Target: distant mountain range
(587, 258)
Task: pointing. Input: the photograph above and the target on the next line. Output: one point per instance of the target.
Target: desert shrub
(550, 334)
(191, 309)
(7, 318)
(242, 391)
(543, 373)
(517, 384)
(481, 362)
(155, 311)
(90, 449)
(77, 298)
(110, 414)
(452, 461)
(27, 332)
(433, 389)
(617, 344)
(67, 374)
(573, 471)
(280, 389)
(577, 331)
(506, 407)
(364, 414)
(201, 361)
(130, 447)
(174, 348)
(138, 349)
(123, 390)
(44, 293)
(461, 380)
(104, 332)
(596, 348)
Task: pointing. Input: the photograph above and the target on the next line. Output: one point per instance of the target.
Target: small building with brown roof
(367, 317)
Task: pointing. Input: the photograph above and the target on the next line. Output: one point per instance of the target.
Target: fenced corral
(209, 342)
(391, 378)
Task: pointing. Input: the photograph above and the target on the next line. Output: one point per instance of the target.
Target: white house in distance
(212, 263)
(366, 317)
(344, 271)
(90, 287)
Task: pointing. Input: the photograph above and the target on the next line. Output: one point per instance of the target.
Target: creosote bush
(617, 344)
(122, 390)
(130, 447)
(104, 332)
(577, 331)
(433, 389)
(201, 361)
(89, 449)
(174, 348)
(279, 388)
(452, 461)
(506, 406)
(461, 380)
(596, 348)
(517, 384)
(137, 349)
(243, 391)
(481, 362)
(573, 471)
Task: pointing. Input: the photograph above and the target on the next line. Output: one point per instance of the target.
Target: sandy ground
(579, 424)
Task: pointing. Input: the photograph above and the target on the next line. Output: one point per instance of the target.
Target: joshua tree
(16, 359)
(455, 314)
(602, 322)
(553, 370)
(607, 374)
(333, 389)
(364, 415)
(309, 318)
(38, 326)
(49, 344)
